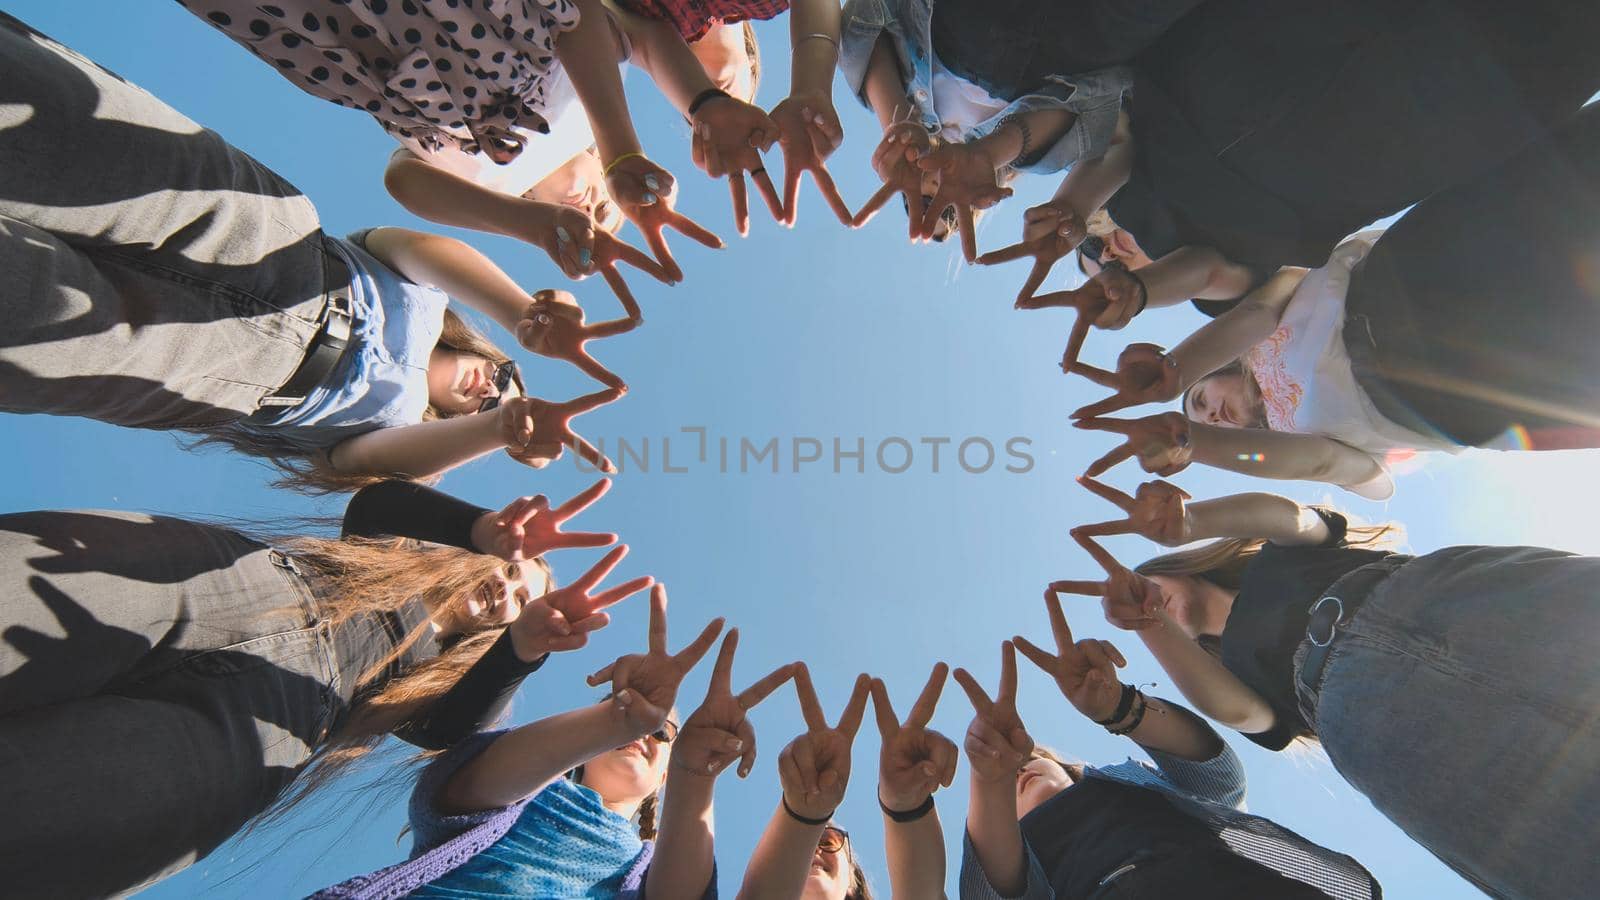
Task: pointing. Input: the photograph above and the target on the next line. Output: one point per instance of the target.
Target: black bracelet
(910, 815)
(1124, 704)
(1138, 716)
(1144, 292)
(704, 97)
(803, 820)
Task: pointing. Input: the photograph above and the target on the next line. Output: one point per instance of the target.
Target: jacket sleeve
(1219, 779)
(1095, 98)
(410, 510)
(974, 884)
(476, 701)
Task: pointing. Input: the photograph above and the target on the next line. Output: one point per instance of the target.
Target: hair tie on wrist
(1138, 716)
(611, 166)
(804, 820)
(1124, 703)
(704, 97)
(909, 815)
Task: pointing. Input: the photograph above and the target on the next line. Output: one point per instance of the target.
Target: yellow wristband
(619, 160)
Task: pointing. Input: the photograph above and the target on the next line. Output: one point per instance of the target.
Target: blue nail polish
(584, 256)
(651, 183)
(562, 235)
(649, 198)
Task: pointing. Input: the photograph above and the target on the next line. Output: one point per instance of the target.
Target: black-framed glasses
(833, 839)
(504, 374)
(666, 734)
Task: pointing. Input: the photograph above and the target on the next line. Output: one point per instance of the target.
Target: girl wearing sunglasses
(568, 806)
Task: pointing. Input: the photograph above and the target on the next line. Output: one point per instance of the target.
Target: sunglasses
(503, 376)
(666, 734)
(1092, 247)
(833, 840)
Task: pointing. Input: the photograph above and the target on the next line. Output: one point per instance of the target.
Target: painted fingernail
(585, 256)
(542, 318)
(649, 198)
(562, 235)
(651, 182)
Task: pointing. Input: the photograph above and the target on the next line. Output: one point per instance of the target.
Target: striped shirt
(1213, 793)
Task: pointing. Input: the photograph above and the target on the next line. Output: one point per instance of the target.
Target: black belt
(328, 345)
(1335, 608)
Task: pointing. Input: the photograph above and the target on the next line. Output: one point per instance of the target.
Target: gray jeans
(161, 682)
(1461, 700)
(154, 276)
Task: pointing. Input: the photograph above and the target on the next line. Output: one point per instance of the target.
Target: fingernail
(542, 318)
(584, 257)
(649, 198)
(562, 235)
(651, 183)
(624, 698)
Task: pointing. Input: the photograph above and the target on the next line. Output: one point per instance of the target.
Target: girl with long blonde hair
(1453, 688)
(164, 682)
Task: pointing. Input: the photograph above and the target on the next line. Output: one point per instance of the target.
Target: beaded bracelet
(611, 166)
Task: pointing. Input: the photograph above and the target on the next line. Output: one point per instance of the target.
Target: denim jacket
(1095, 97)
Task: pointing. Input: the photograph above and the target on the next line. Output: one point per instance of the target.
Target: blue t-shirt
(382, 381)
(564, 844)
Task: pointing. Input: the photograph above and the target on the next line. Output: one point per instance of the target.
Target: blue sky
(818, 333)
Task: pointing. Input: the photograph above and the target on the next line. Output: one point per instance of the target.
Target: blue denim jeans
(1461, 700)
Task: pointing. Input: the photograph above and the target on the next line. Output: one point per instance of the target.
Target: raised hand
(645, 193)
(914, 761)
(718, 733)
(1145, 374)
(997, 743)
(1086, 302)
(815, 768)
(610, 250)
(967, 181)
(1161, 442)
(564, 618)
(729, 137)
(529, 528)
(534, 430)
(650, 680)
(808, 133)
(1129, 599)
(895, 161)
(1156, 512)
(1049, 232)
(553, 326)
(1086, 670)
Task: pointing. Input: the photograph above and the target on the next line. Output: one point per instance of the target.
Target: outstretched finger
(1102, 529)
(1098, 467)
(1111, 404)
(581, 500)
(873, 204)
(1006, 254)
(810, 706)
(1052, 300)
(1036, 277)
(722, 669)
(657, 241)
(830, 193)
(1044, 660)
(658, 619)
(768, 193)
(577, 406)
(1008, 674)
(975, 692)
(633, 256)
(747, 737)
(883, 710)
(1101, 555)
(762, 689)
(615, 595)
(791, 189)
(1097, 656)
(1059, 628)
(595, 369)
(694, 230)
(850, 720)
(1097, 375)
(602, 676)
(928, 700)
(1079, 334)
(1107, 492)
(741, 203)
(590, 453)
(1086, 588)
(1120, 426)
(966, 223)
(691, 655)
(597, 573)
(615, 327)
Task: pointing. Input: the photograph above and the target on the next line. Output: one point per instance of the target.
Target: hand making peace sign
(814, 769)
(528, 528)
(645, 193)
(808, 133)
(553, 326)
(564, 618)
(1085, 671)
(718, 733)
(729, 138)
(1145, 374)
(1129, 599)
(534, 430)
(895, 161)
(650, 680)
(1161, 442)
(997, 743)
(1049, 232)
(1156, 512)
(968, 180)
(914, 760)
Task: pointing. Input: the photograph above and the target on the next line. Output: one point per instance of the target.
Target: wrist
(483, 531)
(800, 814)
(528, 648)
(902, 809)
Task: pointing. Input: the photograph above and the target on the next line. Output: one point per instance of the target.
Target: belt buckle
(1333, 627)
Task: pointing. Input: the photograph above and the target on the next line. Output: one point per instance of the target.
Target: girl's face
(1198, 606)
(1037, 782)
(630, 773)
(1119, 245)
(829, 877)
(580, 183)
(723, 56)
(458, 383)
(1226, 401)
(496, 601)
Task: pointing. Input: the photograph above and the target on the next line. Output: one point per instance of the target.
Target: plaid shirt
(693, 18)
(1213, 793)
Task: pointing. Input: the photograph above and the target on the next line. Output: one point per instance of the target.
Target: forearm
(1010, 141)
(1194, 272)
(661, 53)
(996, 837)
(523, 761)
(685, 849)
(422, 450)
(915, 854)
(1256, 515)
(590, 55)
(477, 699)
(1230, 335)
(1090, 183)
(813, 59)
(1204, 680)
(1173, 729)
(778, 866)
(1281, 455)
(449, 199)
(410, 510)
(454, 267)
(885, 91)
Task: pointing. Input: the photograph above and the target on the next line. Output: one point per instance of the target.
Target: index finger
(1008, 674)
(1036, 276)
(1101, 555)
(967, 225)
(654, 237)
(928, 700)
(850, 719)
(1058, 621)
(1120, 453)
(1096, 374)
(791, 189)
(758, 692)
(690, 656)
(722, 670)
(1079, 334)
(1111, 404)
(768, 193)
(694, 230)
(1086, 588)
(830, 192)
(741, 203)
(633, 256)
(658, 619)
(1100, 423)
(981, 703)
(586, 582)
(581, 501)
(883, 710)
(873, 204)
(589, 452)
(810, 706)
(1106, 491)
(577, 406)
(1005, 254)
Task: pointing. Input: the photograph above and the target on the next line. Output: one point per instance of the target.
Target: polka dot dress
(443, 73)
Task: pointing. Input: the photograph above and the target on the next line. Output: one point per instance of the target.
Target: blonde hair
(359, 578)
(752, 49)
(314, 473)
(1258, 409)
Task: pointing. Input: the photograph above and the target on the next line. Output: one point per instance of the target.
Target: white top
(1307, 384)
(960, 105)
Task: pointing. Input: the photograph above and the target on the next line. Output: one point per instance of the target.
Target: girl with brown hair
(164, 682)
(1425, 678)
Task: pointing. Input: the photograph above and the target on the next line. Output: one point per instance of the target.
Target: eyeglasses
(1093, 247)
(503, 375)
(666, 733)
(833, 839)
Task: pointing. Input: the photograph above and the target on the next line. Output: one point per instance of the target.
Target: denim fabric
(161, 682)
(1095, 97)
(155, 277)
(1461, 701)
